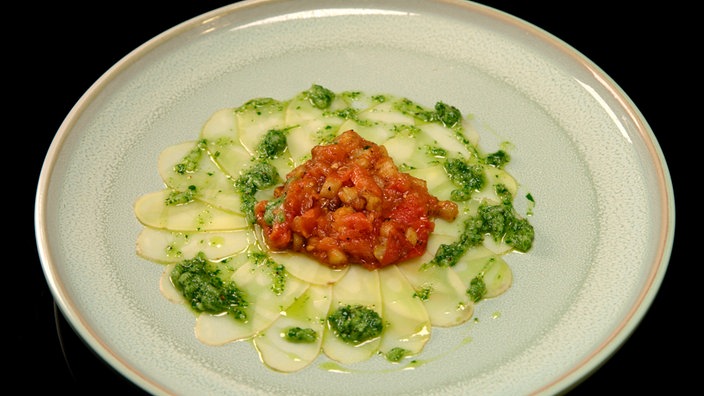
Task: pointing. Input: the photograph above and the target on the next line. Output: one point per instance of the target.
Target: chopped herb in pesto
(531, 204)
(502, 223)
(273, 212)
(350, 113)
(189, 163)
(468, 177)
(181, 197)
(355, 324)
(299, 335)
(437, 152)
(204, 286)
(272, 145)
(448, 115)
(448, 255)
(419, 112)
(405, 167)
(498, 159)
(320, 96)
(504, 194)
(396, 354)
(520, 234)
(257, 177)
(477, 288)
(423, 293)
(261, 106)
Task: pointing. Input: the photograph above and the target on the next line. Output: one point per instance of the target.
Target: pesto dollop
(273, 144)
(300, 335)
(320, 96)
(201, 283)
(477, 288)
(468, 177)
(396, 354)
(355, 324)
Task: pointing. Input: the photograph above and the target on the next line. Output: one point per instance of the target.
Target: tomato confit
(349, 204)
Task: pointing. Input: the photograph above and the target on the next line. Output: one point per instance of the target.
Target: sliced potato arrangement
(198, 225)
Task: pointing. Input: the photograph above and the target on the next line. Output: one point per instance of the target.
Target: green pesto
(448, 255)
(260, 175)
(204, 217)
(173, 251)
(273, 211)
(396, 354)
(349, 113)
(261, 105)
(404, 167)
(298, 335)
(531, 204)
(499, 221)
(406, 130)
(407, 106)
(353, 95)
(498, 159)
(504, 194)
(224, 141)
(320, 96)
(423, 293)
(206, 287)
(477, 288)
(355, 324)
(468, 177)
(277, 271)
(326, 135)
(181, 197)
(189, 163)
(272, 145)
(448, 115)
(435, 151)
(502, 223)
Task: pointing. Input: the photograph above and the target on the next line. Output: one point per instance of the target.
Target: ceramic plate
(604, 211)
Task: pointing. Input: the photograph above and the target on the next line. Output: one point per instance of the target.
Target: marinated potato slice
(358, 287)
(256, 117)
(165, 246)
(308, 269)
(281, 346)
(152, 210)
(187, 167)
(222, 138)
(407, 322)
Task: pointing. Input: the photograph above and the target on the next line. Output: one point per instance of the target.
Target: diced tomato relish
(349, 204)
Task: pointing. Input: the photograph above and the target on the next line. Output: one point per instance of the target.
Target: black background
(64, 48)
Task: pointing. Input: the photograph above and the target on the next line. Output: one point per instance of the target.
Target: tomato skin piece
(349, 204)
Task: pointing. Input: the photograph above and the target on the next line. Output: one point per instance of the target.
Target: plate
(604, 214)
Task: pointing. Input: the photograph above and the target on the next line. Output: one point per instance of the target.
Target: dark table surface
(68, 47)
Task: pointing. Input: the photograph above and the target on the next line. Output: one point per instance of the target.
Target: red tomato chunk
(349, 204)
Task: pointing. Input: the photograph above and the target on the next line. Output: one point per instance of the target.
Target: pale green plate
(604, 214)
